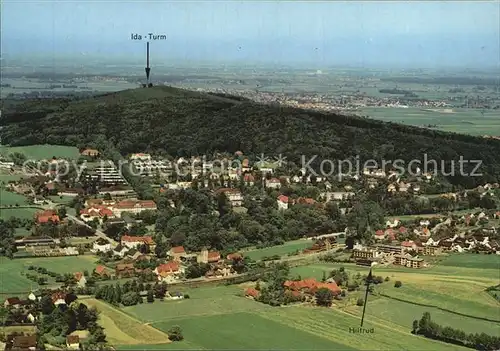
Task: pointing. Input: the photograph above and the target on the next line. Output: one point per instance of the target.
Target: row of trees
(129, 293)
(430, 329)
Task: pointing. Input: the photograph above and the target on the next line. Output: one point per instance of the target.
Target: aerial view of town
(148, 203)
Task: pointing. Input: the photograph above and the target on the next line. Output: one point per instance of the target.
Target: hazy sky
(329, 33)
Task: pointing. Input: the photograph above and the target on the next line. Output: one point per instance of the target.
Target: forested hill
(181, 122)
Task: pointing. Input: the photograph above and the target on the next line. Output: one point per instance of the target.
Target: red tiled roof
(58, 295)
(13, 301)
(402, 230)
(97, 210)
(46, 213)
(407, 243)
(78, 276)
(283, 199)
(273, 180)
(251, 292)
(100, 269)
(234, 256)
(89, 152)
(213, 256)
(138, 239)
(47, 219)
(379, 233)
(306, 200)
(169, 267)
(311, 285)
(178, 250)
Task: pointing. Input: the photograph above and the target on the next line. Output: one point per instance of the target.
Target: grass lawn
(5, 178)
(202, 302)
(281, 250)
(13, 283)
(247, 331)
(472, 261)
(61, 199)
(61, 265)
(9, 198)
(42, 152)
(465, 121)
(26, 212)
(121, 329)
(403, 314)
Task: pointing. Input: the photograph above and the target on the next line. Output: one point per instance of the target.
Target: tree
(175, 333)
(324, 277)
(130, 298)
(398, 284)
(324, 297)
(150, 297)
(360, 302)
(415, 326)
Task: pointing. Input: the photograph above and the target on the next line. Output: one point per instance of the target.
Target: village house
(120, 250)
(59, 298)
(80, 279)
(273, 183)
(310, 286)
(101, 245)
(251, 293)
(169, 272)
(177, 253)
(389, 249)
(133, 206)
(90, 152)
(206, 256)
(408, 245)
(429, 250)
(249, 179)
(125, 270)
(102, 271)
(73, 342)
(234, 196)
(133, 242)
(283, 202)
(12, 302)
(96, 212)
(47, 216)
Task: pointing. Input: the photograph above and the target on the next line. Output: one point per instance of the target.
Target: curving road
(98, 232)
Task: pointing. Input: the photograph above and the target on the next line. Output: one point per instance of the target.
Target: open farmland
(8, 198)
(465, 121)
(24, 212)
(13, 282)
(280, 250)
(42, 152)
(122, 329)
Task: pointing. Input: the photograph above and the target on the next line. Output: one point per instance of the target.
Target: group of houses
(101, 210)
(23, 312)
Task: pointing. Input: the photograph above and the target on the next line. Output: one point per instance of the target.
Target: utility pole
(368, 282)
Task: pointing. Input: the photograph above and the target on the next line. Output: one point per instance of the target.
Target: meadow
(23, 212)
(122, 329)
(465, 121)
(280, 250)
(8, 198)
(42, 152)
(220, 318)
(12, 282)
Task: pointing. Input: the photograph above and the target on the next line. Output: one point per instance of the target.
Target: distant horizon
(412, 34)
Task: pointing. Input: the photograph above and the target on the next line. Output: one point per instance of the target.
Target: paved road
(98, 232)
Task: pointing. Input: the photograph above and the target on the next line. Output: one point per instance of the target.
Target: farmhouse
(310, 286)
(101, 245)
(80, 279)
(177, 253)
(252, 293)
(168, 272)
(206, 256)
(283, 202)
(14, 302)
(101, 271)
(59, 298)
(125, 270)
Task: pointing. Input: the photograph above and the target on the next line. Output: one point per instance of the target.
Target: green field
(27, 212)
(281, 250)
(12, 282)
(42, 152)
(466, 121)
(8, 198)
(64, 200)
(471, 261)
